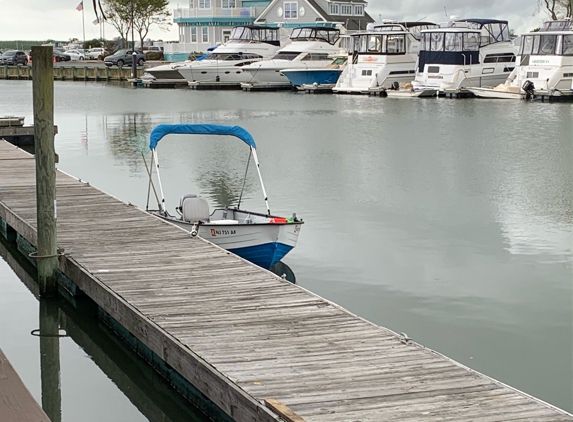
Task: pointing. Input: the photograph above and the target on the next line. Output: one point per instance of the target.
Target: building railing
(215, 12)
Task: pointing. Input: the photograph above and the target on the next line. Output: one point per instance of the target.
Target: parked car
(61, 57)
(74, 54)
(96, 53)
(124, 57)
(13, 58)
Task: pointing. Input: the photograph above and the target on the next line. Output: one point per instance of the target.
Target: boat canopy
(330, 35)
(255, 33)
(199, 129)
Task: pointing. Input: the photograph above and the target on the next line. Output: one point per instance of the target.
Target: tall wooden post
(43, 99)
(50, 359)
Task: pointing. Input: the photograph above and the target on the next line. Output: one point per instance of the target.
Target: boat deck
(254, 344)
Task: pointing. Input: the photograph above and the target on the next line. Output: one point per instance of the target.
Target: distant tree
(556, 9)
(92, 43)
(119, 13)
(127, 16)
(150, 12)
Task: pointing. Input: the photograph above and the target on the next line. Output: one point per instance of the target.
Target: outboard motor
(395, 85)
(529, 89)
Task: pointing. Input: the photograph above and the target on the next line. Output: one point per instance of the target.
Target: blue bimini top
(199, 129)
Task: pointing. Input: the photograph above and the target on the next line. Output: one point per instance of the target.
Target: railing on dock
(73, 73)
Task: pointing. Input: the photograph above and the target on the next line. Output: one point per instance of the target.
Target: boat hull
(492, 93)
(263, 244)
(421, 93)
(299, 77)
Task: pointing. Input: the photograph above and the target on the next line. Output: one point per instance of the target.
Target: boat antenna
(245, 178)
(446, 12)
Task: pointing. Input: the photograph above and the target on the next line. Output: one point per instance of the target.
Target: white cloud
(59, 19)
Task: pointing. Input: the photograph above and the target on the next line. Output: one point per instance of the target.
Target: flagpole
(83, 26)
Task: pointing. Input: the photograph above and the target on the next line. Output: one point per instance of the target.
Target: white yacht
(465, 53)
(544, 65)
(383, 55)
(246, 45)
(310, 48)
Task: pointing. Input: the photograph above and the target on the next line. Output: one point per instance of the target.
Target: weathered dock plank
(16, 402)
(241, 335)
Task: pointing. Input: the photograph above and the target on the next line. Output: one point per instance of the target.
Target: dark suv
(124, 57)
(14, 58)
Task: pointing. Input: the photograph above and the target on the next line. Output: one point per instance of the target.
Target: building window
(291, 10)
(346, 9)
(334, 9)
(193, 34)
(228, 4)
(358, 10)
(204, 34)
(204, 4)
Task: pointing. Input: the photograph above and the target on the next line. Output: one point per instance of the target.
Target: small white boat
(408, 91)
(261, 238)
(502, 91)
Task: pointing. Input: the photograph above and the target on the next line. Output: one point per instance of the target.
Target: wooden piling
(50, 359)
(43, 101)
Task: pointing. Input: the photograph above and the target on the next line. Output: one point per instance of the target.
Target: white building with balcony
(209, 22)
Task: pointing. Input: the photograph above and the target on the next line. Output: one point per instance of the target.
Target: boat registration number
(215, 232)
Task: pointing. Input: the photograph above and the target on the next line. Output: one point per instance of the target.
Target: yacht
(310, 48)
(246, 45)
(465, 53)
(544, 64)
(384, 55)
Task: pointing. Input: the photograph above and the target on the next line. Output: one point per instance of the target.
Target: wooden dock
(257, 346)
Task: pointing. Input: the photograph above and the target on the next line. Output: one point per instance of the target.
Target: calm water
(450, 220)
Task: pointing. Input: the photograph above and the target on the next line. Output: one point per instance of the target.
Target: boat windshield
(255, 33)
(379, 43)
(329, 35)
(233, 56)
(286, 55)
(547, 45)
(450, 41)
(491, 31)
(556, 26)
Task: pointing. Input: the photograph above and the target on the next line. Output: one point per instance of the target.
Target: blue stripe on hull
(310, 76)
(265, 255)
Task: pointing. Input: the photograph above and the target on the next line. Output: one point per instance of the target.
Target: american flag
(80, 6)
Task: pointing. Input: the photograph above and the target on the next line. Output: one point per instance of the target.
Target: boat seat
(194, 209)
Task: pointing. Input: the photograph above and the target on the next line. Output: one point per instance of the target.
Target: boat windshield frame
(450, 41)
(265, 34)
(379, 42)
(557, 25)
(224, 57)
(546, 43)
(414, 28)
(304, 33)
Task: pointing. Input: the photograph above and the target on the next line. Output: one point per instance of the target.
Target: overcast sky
(59, 19)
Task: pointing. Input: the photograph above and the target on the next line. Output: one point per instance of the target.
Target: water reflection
(283, 270)
(50, 359)
(152, 395)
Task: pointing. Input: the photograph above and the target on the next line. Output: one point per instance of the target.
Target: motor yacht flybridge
(544, 65)
(381, 56)
(246, 45)
(465, 53)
